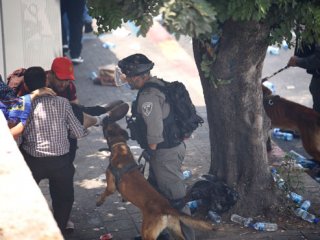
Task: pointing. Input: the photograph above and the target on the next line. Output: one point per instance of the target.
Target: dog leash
(275, 73)
(142, 165)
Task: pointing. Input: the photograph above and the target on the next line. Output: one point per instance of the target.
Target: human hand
(42, 91)
(149, 154)
(292, 61)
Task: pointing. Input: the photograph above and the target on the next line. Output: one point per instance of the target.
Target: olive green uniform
(166, 166)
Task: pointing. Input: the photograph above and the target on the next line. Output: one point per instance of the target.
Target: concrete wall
(24, 212)
(30, 34)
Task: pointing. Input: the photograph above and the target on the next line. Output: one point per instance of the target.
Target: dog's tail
(196, 223)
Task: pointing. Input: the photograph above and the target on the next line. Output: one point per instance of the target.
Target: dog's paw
(99, 202)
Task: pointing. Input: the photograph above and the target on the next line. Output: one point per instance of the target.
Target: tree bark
(235, 113)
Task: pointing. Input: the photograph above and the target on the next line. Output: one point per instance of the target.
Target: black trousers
(74, 10)
(314, 88)
(60, 171)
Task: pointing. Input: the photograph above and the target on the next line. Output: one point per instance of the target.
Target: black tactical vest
(139, 133)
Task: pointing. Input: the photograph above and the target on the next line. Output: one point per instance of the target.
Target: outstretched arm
(311, 62)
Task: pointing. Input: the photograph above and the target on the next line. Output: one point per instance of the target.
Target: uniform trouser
(166, 169)
(314, 88)
(59, 170)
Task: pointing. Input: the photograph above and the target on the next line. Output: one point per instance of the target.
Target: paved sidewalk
(122, 219)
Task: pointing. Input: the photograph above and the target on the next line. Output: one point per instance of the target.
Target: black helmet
(135, 65)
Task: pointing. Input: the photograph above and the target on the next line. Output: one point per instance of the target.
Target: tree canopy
(200, 18)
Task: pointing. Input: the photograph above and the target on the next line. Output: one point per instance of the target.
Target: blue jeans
(74, 12)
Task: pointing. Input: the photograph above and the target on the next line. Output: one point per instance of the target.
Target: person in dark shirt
(310, 62)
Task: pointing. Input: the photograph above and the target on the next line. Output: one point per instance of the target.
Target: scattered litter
(273, 50)
(304, 162)
(102, 177)
(290, 87)
(277, 133)
(270, 85)
(248, 222)
(265, 226)
(107, 236)
(284, 45)
(108, 45)
(241, 220)
(93, 75)
(187, 174)
(299, 212)
(214, 217)
(215, 194)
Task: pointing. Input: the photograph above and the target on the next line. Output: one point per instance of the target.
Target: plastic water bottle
(265, 226)
(193, 205)
(284, 45)
(273, 50)
(306, 215)
(296, 198)
(241, 220)
(270, 85)
(214, 217)
(187, 174)
(281, 135)
(275, 175)
(93, 75)
(282, 184)
(305, 205)
(301, 160)
(108, 45)
(278, 180)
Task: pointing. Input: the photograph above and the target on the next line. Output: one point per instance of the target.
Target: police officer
(166, 156)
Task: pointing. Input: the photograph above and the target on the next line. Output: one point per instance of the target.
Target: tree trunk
(235, 113)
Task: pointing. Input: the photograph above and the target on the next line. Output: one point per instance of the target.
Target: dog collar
(118, 143)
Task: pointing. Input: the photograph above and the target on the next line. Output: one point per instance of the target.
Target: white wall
(31, 33)
(24, 212)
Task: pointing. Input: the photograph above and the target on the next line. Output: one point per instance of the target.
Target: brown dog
(290, 115)
(157, 213)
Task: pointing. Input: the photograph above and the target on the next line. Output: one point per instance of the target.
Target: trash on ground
(265, 226)
(270, 86)
(241, 220)
(187, 174)
(214, 217)
(290, 87)
(107, 236)
(306, 163)
(273, 50)
(108, 45)
(282, 135)
(214, 193)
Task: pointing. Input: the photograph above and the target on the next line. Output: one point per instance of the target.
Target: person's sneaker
(100, 119)
(118, 112)
(65, 49)
(77, 60)
(88, 27)
(70, 227)
(109, 106)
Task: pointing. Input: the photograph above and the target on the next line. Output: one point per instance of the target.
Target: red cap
(63, 68)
